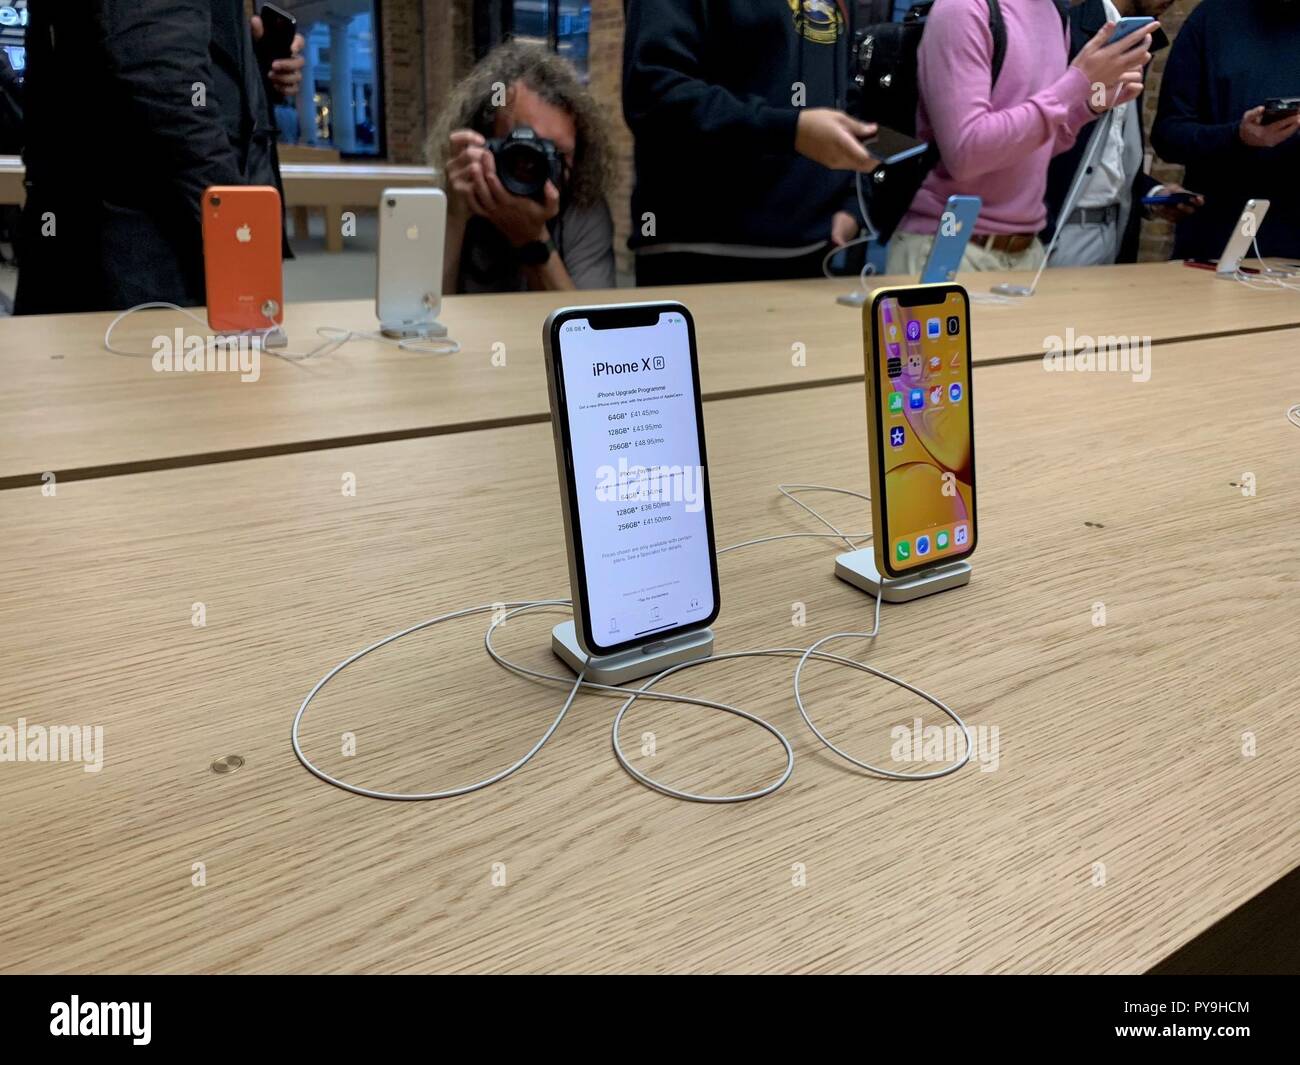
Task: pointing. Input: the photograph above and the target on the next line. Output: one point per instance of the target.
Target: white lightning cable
(260, 336)
(447, 793)
(509, 610)
(1266, 282)
(1263, 280)
(333, 338)
(867, 237)
(423, 345)
(815, 651)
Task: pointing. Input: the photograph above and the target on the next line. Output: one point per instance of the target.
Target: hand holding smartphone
(1171, 199)
(1279, 109)
(1126, 26)
(889, 147)
(278, 31)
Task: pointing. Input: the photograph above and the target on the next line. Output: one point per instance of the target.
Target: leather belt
(1094, 216)
(1011, 243)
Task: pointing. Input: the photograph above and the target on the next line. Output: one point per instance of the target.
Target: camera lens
(216, 201)
(523, 168)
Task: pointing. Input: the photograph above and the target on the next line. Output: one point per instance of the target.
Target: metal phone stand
(643, 661)
(1099, 133)
(270, 338)
(275, 337)
(859, 569)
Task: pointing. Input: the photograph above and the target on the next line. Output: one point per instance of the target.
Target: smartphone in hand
(890, 147)
(1126, 26)
(1169, 199)
(1279, 108)
(278, 31)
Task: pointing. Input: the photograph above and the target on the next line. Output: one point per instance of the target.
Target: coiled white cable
(647, 689)
(869, 234)
(447, 793)
(1263, 280)
(333, 337)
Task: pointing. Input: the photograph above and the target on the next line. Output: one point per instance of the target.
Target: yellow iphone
(921, 429)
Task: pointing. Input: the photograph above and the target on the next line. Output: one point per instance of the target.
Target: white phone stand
(274, 337)
(1007, 289)
(414, 330)
(643, 661)
(859, 569)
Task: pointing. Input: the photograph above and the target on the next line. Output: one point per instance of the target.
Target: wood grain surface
(1120, 752)
(70, 408)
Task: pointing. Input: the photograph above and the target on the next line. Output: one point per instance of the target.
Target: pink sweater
(998, 148)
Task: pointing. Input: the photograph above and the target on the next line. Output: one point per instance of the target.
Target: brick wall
(401, 28)
(605, 70)
(426, 49)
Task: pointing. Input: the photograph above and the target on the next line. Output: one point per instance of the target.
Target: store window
(561, 25)
(340, 105)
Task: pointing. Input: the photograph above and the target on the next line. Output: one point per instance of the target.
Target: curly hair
(554, 80)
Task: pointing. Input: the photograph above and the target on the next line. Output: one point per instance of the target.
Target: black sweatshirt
(708, 89)
(1231, 56)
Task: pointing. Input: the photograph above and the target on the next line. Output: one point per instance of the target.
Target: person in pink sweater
(995, 141)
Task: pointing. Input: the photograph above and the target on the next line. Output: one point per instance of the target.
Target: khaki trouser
(908, 252)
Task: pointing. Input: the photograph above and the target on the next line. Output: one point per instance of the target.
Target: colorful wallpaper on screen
(925, 418)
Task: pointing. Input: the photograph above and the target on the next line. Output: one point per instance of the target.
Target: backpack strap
(998, 27)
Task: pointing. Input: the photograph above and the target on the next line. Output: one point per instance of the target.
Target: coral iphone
(241, 257)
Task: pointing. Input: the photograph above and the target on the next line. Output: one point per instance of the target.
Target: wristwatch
(535, 252)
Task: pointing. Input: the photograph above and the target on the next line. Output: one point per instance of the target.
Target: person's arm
(955, 71)
(588, 237)
(453, 242)
(157, 51)
(1179, 134)
(666, 92)
(551, 276)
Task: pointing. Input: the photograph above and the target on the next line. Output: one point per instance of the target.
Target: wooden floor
(1119, 820)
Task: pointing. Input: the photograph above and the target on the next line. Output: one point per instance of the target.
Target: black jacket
(168, 100)
(1085, 20)
(707, 93)
(1231, 56)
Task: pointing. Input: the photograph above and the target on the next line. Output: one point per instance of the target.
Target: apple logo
(412, 232)
(243, 234)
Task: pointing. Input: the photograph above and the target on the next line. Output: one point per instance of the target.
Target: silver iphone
(408, 293)
(1243, 237)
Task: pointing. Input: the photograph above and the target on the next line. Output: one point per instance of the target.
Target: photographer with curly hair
(522, 119)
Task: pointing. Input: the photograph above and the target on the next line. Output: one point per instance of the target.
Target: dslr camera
(525, 162)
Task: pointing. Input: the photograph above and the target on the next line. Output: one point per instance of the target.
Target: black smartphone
(629, 444)
(278, 30)
(890, 146)
(1279, 108)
